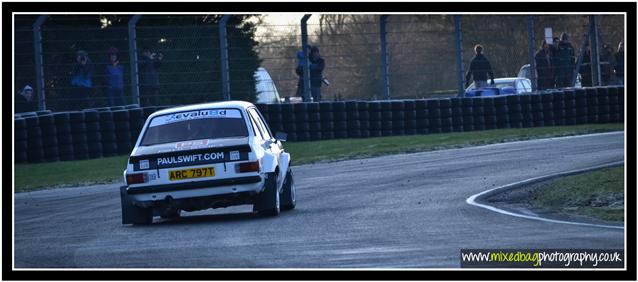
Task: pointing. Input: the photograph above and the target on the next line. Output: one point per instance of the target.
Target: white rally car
(206, 156)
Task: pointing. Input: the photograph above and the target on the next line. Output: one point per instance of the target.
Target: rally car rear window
(195, 125)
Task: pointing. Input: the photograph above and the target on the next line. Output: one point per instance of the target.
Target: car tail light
(247, 167)
(136, 178)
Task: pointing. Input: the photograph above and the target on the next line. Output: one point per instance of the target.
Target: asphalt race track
(400, 211)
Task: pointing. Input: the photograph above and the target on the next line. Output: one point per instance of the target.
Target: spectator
(479, 69)
(81, 80)
(317, 65)
(566, 60)
(114, 76)
(606, 63)
(149, 80)
(553, 51)
(545, 77)
(619, 66)
(25, 100)
(585, 68)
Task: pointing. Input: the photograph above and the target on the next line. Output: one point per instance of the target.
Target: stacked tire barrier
(102, 132)
(20, 144)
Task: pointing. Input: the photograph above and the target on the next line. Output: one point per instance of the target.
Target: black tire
(327, 126)
(354, 133)
(315, 136)
(352, 115)
(341, 134)
(268, 201)
(288, 194)
(339, 116)
(327, 135)
(303, 126)
(76, 117)
(121, 115)
(303, 136)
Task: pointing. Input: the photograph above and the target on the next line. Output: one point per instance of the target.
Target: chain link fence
(184, 54)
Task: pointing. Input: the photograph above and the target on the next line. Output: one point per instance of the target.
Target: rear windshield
(194, 125)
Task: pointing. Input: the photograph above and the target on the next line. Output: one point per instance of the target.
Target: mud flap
(132, 214)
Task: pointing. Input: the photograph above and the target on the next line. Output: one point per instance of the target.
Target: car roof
(213, 105)
(507, 79)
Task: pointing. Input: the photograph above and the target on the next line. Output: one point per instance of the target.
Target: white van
(265, 86)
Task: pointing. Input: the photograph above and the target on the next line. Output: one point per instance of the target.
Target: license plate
(191, 173)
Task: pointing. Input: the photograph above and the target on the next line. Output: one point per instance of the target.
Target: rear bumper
(197, 189)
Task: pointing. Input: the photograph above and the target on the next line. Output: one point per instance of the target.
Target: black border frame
(373, 7)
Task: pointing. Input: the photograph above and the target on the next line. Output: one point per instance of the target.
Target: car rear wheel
(288, 201)
(268, 202)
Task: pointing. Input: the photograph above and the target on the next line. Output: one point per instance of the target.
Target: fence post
(579, 61)
(594, 47)
(383, 20)
(459, 55)
(39, 68)
(223, 46)
(306, 68)
(132, 50)
(532, 61)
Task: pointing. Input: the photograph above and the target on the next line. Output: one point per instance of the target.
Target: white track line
(472, 200)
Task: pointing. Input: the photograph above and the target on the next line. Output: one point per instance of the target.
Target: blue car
(501, 86)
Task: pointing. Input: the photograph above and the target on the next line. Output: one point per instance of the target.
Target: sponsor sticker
(234, 155)
(144, 164)
(192, 144)
(199, 114)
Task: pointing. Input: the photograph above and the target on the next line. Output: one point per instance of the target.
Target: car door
(268, 142)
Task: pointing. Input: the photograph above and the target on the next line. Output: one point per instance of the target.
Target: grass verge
(30, 177)
(598, 194)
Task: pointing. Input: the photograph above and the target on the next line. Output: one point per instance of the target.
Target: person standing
(25, 101)
(479, 69)
(317, 65)
(619, 66)
(585, 68)
(553, 51)
(544, 67)
(566, 61)
(114, 75)
(81, 80)
(606, 64)
(149, 80)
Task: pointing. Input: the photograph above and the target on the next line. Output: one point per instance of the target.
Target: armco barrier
(93, 133)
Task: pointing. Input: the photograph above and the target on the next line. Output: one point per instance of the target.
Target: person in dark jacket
(114, 76)
(479, 69)
(81, 81)
(619, 66)
(543, 61)
(585, 68)
(606, 64)
(317, 65)
(553, 51)
(149, 80)
(566, 62)
(25, 100)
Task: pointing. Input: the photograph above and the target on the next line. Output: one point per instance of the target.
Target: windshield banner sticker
(200, 114)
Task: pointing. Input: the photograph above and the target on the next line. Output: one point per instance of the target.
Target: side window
(260, 123)
(256, 129)
(520, 88)
(528, 86)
